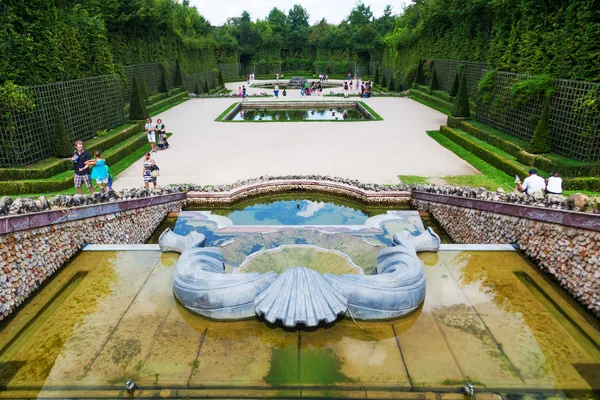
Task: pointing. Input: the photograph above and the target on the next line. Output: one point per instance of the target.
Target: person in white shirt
(554, 184)
(532, 184)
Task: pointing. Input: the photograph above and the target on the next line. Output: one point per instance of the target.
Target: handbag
(154, 171)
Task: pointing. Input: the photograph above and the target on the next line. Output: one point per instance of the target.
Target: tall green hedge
(137, 106)
(434, 85)
(197, 89)
(461, 106)
(178, 74)
(206, 90)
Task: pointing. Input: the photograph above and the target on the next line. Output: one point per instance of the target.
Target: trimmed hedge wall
(524, 157)
(62, 165)
(584, 183)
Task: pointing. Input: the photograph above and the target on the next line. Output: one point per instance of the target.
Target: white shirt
(534, 183)
(554, 184)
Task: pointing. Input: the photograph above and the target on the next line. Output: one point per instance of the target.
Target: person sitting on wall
(532, 184)
(554, 184)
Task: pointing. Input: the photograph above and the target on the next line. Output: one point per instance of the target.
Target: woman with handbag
(161, 131)
(150, 171)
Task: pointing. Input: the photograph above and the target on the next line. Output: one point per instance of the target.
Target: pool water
(309, 114)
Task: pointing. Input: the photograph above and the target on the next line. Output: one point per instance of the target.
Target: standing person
(81, 164)
(346, 89)
(100, 171)
(276, 91)
(306, 91)
(532, 184)
(151, 132)
(554, 184)
(277, 77)
(349, 76)
(351, 84)
(244, 94)
(320, 88)
(148, 171)
(161, 131)
(362, 90)
(240, 92)
(248, 78)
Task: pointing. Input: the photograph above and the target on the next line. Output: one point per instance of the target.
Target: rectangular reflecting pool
(299, 111)
(488, 317)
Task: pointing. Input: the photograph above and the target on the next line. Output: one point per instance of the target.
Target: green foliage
(15, 99)
(434, 85)
(485, 87)
(589, 104)
(376, 78)
(392, 86)
(532, 89)
(383, 82)
(455, 84)
(221, 82)
(61, 145)
(197, 89)
(540, 141)
(137, 106)
(461, 106)
(178, 74)
(164, 84)
(144, 89)
(206, 90)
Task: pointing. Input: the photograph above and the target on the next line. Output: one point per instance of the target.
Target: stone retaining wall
(32, 253)
(570, 254)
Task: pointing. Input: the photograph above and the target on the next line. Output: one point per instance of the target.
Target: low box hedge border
(62, 165)
(583, 183)
(533, 160)
(158, 97)
(111, 156)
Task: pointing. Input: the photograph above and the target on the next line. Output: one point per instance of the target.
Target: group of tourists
(87, 168)
(364, 88)
(536, 184)
(249, 77)
(323, 78)
(310, 89)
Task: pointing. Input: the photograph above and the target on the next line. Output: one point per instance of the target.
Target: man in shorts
(151, 132)
(81, 164)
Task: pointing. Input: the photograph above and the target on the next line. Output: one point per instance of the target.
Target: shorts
(152, 137)
(81, 179)
(105, 180)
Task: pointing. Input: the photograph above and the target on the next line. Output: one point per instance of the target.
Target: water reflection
(312, 114)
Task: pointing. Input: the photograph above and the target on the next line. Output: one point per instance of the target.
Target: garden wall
(564, 244)
(446, 71)
(34, 246)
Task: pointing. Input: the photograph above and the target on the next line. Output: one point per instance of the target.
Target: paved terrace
(207, 152)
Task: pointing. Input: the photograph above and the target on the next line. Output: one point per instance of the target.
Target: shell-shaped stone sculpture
(200, 284)
(300, 296)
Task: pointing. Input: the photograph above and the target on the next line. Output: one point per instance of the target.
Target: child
(100, 171)
(239, 92)
(161, 131)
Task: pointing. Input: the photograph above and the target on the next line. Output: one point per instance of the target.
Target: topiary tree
(221, 81)
(144, 89)
(197, 90)
(178, 74)
(383, 83)
(376, 77)
(433, 85)
(420, 76)
(454, 88)
(164, 83)
(392, 86)
(61, 145)
(540, 141)
(206, 86)
(137, 106)
(461, 103)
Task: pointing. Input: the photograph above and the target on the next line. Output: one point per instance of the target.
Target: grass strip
(224, 113)
(413, 179)
(369, 109)
(428, 104)
(168, 107)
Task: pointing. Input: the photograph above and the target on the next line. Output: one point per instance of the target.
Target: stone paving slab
(206, 152)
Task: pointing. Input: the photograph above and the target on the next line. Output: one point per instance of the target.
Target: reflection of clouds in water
(310, 208)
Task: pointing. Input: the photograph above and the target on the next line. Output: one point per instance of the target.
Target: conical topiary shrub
(137, 107)
(461, 103)
(144, 89)
(376, 78)
(221, 81)
(383, 82)
(61, 145)
(433, 85)
(178, 74)
(206, 86)
(420, 75)
(454, 88)
(540, 141)
(392, 87)
(164, 83)
(197, 90)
